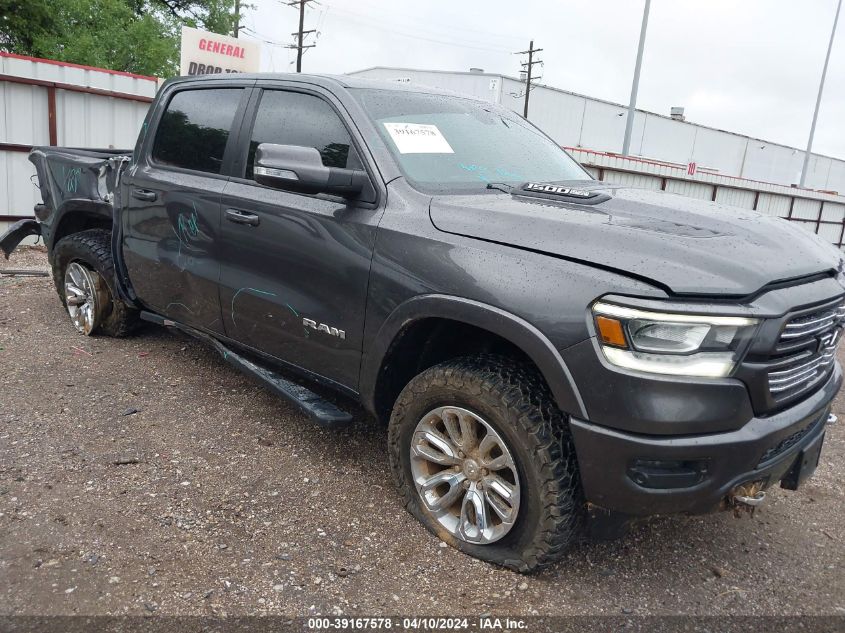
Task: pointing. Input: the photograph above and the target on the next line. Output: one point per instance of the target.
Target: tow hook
(747, 497)
(831, 419)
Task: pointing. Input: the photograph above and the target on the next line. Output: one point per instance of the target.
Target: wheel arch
(75, 216)
(514, 331)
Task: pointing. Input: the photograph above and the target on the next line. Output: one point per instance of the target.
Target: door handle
(242, 217)
(144, 194)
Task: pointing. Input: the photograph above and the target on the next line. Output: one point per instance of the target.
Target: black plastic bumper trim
(733, 457)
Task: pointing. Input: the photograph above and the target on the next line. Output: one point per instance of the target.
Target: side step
(314, 406)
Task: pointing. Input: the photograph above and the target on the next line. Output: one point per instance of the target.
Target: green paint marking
(254, 290)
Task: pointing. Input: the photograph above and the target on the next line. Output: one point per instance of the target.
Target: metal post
(300, 35)
(528, 78)
(237, 26)
(819, 99)
(632, 104)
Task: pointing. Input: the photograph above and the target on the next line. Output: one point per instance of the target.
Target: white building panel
(101, 79)
(603, 129)
(833, 212)
(772, 163)
(16, 181)
(743, 198)
(836, 177)
(818, 171)
(86, 120)
(700, 190)
(23, 120)
(716, 150)
(829, 232)
(670, 140)
(775, 205)
(805, 209)
(633, 180)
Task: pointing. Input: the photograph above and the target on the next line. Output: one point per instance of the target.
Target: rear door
(294, 283)
(171, 224)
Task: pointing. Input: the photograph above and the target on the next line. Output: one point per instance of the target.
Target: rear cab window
(194, 129)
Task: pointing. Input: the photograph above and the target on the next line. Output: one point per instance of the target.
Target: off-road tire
(516, 401)
(93, 249)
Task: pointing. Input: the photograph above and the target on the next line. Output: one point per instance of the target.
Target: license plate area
(804, 466)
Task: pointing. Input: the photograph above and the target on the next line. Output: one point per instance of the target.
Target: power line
(391, 28)
(529, 66)
(446, 23)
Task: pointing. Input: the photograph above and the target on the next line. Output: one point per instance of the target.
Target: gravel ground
(144, 475)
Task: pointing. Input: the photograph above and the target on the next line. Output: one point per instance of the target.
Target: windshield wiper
(500, 186)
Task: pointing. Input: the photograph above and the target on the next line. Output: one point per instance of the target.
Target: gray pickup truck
(545, 349)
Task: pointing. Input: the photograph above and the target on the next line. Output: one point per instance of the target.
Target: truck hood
(687, 246)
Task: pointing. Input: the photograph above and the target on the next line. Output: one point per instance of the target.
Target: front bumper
(695, 473)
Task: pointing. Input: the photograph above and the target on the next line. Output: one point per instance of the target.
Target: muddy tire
(518, 465)
(83, 269)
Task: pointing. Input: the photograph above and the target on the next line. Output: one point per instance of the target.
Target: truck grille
(812, 324)
(808, 343)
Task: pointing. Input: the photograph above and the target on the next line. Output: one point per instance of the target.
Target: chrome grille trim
(807, 369)
(813, 323)
(808, 373)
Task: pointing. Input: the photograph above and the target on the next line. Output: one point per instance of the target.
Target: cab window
(295, 118)
(194, 128)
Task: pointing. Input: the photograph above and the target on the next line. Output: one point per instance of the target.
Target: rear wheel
(484, 459)
(83, 272)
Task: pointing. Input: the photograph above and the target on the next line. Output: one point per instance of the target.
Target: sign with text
(205, 53)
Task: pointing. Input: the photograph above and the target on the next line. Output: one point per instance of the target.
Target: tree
(139, 36)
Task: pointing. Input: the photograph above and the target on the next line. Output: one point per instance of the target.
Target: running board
(314, 406)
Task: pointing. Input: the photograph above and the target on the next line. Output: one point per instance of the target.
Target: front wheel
(484, 459)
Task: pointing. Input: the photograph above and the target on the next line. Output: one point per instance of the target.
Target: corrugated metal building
(45, 102)
(579, 121)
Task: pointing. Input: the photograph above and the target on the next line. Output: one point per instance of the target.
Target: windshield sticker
(418, 138)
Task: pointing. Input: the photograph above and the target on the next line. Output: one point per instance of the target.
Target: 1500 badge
(558, 190)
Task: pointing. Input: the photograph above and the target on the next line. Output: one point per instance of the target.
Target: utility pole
(632, 104)
(300, 46)
(237, 18)
(528, 68)
(819, 99)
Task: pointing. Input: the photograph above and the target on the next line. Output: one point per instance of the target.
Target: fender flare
(500, 322)
(73, 206)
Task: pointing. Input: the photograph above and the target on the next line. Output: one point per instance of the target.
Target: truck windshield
(446, 144)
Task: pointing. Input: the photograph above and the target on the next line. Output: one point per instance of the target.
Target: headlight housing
(679, 344)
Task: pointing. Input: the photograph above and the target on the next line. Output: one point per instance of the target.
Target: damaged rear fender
(19, 231)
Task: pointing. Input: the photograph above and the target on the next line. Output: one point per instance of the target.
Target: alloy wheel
(84, 296)
(465, 475)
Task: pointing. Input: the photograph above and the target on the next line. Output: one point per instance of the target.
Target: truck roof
(327, 81)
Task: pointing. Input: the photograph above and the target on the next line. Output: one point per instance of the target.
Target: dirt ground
(144, 475)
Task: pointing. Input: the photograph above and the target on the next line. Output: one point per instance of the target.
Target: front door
(171, 225)
(295, 267)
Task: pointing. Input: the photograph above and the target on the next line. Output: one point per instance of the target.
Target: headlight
(677, 344)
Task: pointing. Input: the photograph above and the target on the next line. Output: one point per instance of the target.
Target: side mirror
(301, 169)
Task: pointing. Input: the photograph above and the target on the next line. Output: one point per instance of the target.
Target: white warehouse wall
(94, 108)
(575, 120)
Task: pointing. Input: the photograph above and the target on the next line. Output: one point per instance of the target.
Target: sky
(747, 66)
